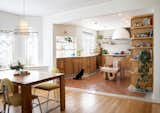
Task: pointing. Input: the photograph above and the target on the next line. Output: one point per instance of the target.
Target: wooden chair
(11, 98)
(1, 99)
(111, 71)
(50, 86)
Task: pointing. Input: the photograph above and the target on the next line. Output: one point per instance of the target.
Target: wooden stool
(110, 72)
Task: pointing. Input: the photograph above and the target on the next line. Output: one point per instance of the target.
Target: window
(65, 46)
(31, 49)
(6, 48)
(88, 43)
(15, 48)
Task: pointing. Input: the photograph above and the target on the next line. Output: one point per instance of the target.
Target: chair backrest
(7, 86)
(55, 70)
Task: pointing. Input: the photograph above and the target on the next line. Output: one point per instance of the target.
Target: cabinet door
(93, 64)
(60, 65)
(85, 64)
(68, 64)
(76, 65)
(99, 61)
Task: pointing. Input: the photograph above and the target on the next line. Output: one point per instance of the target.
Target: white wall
(10, 21)
(113, 6)
(156, 78)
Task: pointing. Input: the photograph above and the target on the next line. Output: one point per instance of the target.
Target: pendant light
(23, 27)
(120, 33)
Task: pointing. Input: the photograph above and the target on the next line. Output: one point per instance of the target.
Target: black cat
(79, 75)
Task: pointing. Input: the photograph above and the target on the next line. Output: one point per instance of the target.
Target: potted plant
(68, 39)
(143, 70)
(17, 67)
(79, 52)
(99, 37)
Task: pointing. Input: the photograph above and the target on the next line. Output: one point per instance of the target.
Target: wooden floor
(98, 83)
(82, 102)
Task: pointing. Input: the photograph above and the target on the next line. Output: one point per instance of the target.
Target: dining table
(33, 78)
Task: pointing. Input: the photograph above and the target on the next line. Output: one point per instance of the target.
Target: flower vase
(17, 72)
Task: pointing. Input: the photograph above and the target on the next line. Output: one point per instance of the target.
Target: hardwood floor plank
(97, 82)
(82, 102)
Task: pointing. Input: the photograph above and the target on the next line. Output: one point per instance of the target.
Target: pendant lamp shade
(121, 33)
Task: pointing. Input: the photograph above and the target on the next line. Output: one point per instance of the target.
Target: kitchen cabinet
(60, 65)
(73, 65)
(93, 64)
(68, 66)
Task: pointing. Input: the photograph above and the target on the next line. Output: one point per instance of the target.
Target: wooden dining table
(27, 81)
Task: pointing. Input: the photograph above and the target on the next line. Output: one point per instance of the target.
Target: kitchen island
(73, 65)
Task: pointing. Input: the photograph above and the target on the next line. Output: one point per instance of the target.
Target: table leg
(62, 93)
(15, 88)
(106, 76)
(26, 99)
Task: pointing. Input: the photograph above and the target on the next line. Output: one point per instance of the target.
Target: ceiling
(111, 21)
(45, 7)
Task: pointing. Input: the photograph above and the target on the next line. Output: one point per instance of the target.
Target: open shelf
(141, 47)
(143, 27)
(142, 16)
(142, 38)
(136, 60)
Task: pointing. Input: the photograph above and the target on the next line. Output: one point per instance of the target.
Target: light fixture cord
(24, 7)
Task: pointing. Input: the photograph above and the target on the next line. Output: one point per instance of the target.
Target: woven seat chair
(50, 86)
(13, 99)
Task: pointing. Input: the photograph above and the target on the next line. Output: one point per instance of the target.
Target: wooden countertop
(79, 56)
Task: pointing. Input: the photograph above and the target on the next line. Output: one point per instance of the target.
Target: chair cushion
(47, 86)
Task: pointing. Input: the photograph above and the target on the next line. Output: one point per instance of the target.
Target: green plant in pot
(104, 51)
(79, 52)
(68, 39)
(143, 69)
(99, 37)
(17, 67)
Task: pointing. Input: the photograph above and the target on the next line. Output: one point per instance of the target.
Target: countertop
(91, 55)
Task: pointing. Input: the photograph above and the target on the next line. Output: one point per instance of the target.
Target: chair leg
(39, 105)
(4, 108)
(47, 101)
(54, 93)
(8, 108)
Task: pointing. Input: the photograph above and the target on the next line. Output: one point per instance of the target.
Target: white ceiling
(111, 21)
(45, 7)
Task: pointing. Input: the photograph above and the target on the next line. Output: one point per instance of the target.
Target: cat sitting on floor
(79, 75)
